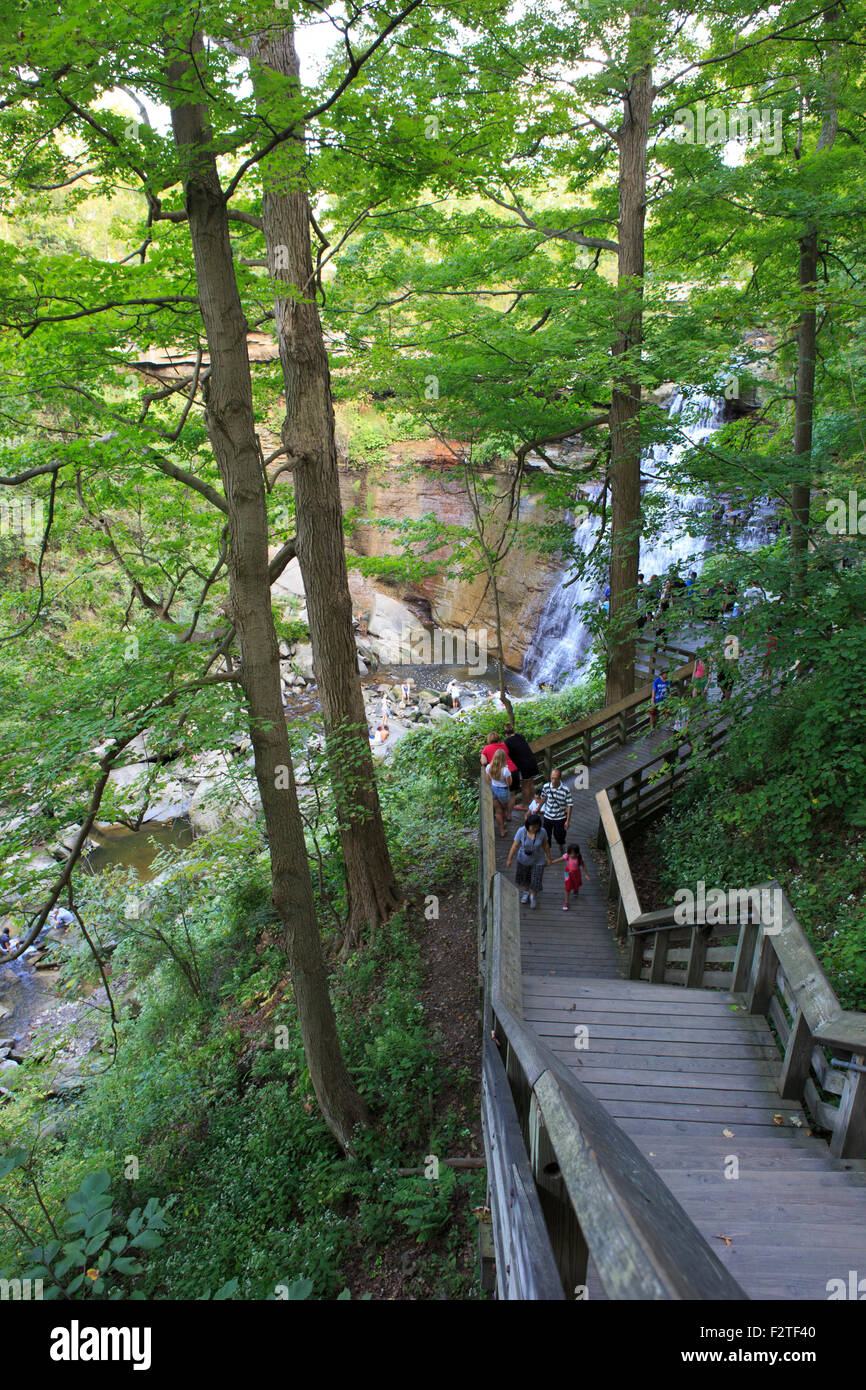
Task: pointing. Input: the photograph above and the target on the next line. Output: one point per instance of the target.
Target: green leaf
(14, 1159)
(227, 1291)
(98, 1222)
(96, 1183)
(149, 1240)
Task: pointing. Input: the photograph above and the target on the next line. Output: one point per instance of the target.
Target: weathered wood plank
(798, 1058)
(506, 906)
(776, 1014)
(849, 1130)
(642, 1242)
(517, 1208)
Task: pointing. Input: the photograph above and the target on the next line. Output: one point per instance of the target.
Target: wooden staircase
(693, 1082)
(684, 1142)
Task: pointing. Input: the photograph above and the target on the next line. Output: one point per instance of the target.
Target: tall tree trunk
(308, 434)
(231, 429)
(500, 654)
(625, 450)
(803, 410)
(804, 400)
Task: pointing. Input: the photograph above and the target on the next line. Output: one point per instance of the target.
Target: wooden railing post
(635, 963)
(621, 920)
(762, 979)
(849, 1134)
(744, 957)
(612, 885)
(569, 1247)
(659, 958)
(798, 1059)
(697, 957)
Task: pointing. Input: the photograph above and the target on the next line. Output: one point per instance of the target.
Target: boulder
(8, 1072)
(391, 617)
(63, 1085)
(141, 747)
(129, 773)
(66, 839)
(304, 661)
(217, 803)
(383, 651)
(438, 714)
(174, 800)
(290, 583)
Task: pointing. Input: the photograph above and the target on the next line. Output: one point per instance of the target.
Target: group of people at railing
(510, 767)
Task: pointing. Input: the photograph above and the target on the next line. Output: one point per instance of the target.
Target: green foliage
(449, 753)
(225, 1123)
(94, 1253)
(786, 800)
(291, 630)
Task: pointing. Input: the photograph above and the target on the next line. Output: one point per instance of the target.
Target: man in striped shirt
(556, 808)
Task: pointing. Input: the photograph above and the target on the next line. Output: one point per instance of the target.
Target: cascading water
(563, 636)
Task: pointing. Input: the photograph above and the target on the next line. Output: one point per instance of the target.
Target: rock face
(212, 805)
(451, 601)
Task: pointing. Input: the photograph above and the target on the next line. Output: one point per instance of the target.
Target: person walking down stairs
(532, 847)
(574, 868)
(556, 808)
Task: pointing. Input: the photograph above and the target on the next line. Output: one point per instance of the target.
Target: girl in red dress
(574, 862)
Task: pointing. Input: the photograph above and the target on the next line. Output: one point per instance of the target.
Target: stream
(28, 995)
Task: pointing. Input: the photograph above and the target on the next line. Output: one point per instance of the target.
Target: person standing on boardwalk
(522, 755)
(556, 808)
(500, 782)
(532, 846)
(726, 674)
(700, 677)
(661, 689)
(574, 863)
(488, 753)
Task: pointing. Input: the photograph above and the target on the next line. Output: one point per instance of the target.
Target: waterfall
(563, 637)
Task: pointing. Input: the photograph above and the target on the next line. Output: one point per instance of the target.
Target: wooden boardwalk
(576, 942)
(693, 1080)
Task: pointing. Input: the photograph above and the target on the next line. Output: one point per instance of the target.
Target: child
(574, 862)
(534, 807)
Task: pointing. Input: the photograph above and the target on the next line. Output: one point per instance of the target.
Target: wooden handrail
(769, 957)
(606, 716)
